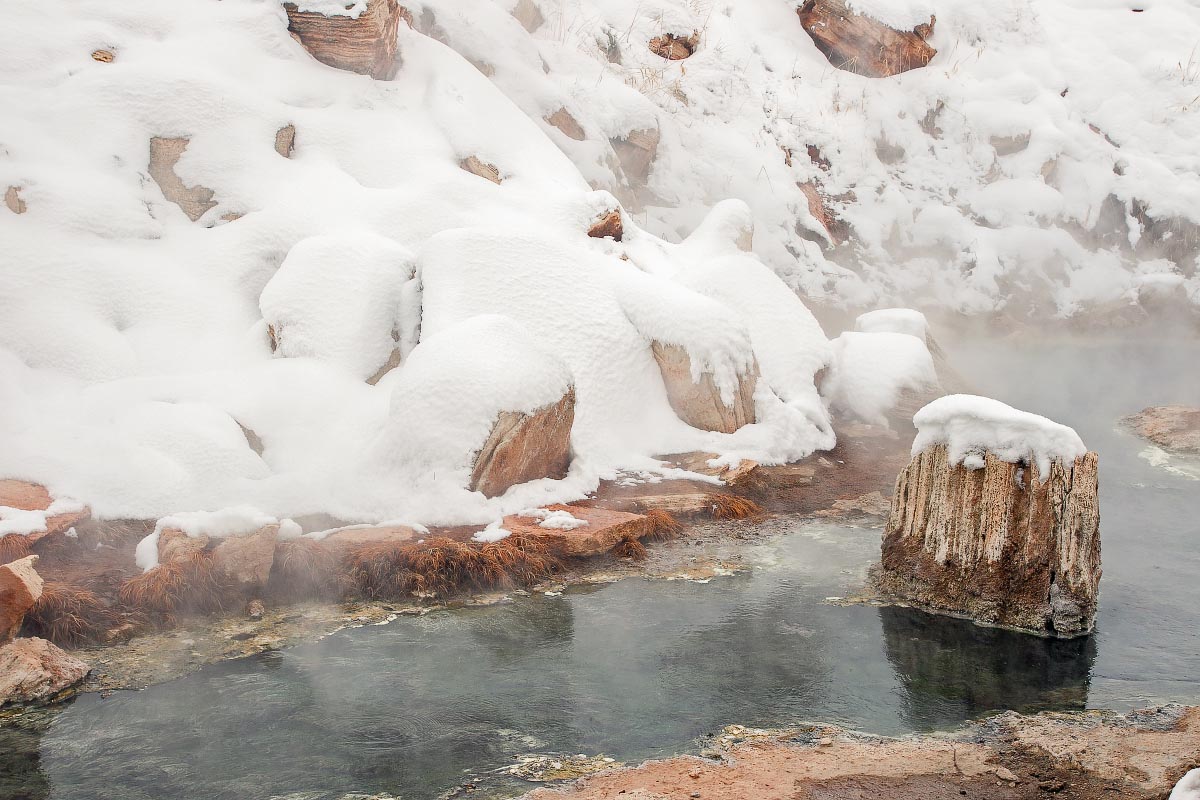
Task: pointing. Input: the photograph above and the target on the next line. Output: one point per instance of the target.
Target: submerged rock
(34, 670)
(1001, 544)
(1174, 428)
(20, 588)
(862, 44)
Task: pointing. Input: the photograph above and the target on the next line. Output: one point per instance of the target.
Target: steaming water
(643, 668)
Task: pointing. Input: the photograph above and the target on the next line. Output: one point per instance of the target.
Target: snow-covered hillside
(221, 257)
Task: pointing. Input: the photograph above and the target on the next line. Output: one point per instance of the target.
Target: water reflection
(953, 670)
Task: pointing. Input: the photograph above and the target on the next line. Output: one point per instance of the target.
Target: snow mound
(558, 519)
(1188, 787)
(336, 298)
(893, 320)
(972, 426)
(494, 532)
(871, 371)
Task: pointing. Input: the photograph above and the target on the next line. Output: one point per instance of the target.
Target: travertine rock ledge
(1001, 545)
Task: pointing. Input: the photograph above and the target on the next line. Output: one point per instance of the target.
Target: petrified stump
(1002, 544)
(525, 447)
(365, 43)
(862, 44)
(165, 152)
(700, 404)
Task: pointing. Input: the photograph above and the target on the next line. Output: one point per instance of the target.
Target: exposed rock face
(604, 530)
(165, 152)
(476, 166)
(835, 226)
(35, 497)
(636, 152)
(862, 44)
(33, 670)
(525, 447)
(529, 15)
(998, 544)
(350, 538)
(20, 587)
(246, 560)
(175, 545)
(366, 44)
(674, 47)
(700, 404)
(608, 226)
(12, 199)
(285, 140)
(566, 123)
(1174, 428)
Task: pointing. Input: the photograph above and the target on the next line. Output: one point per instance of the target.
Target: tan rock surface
(525, 447)
(20, 587)
(566, 123)
(246, 560)
(608, 226)
(605, 529)
(175, 545)
(700, 404)
(35, 497)
(862, 44)
(1174, 428)
(636, 152)
(529, 15)
(285, 140)
(165, 152)
(476, 166)
(12, 199)
(998, 544)
(675, 47)
(366, 45)
(350, 538)
(33, 670)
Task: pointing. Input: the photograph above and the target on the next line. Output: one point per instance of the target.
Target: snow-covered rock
(880, 378)
(338, 298)
(696, 396)
(359, 36)
(863, 44)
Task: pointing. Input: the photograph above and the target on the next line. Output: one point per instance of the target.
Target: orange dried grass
(190, 583)
(630, 547)
(728, 506)
(304, 570)
(68, 616)
(662, 526)
(13, 546)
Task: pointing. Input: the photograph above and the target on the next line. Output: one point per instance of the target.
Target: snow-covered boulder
(20, 588)
(28, 509)
(880, 378)
(338, 298)
(482, 405)
(356, 35)
(862, 43)
(34, 670)
(913, 323)
(697, 398)
(996, 518)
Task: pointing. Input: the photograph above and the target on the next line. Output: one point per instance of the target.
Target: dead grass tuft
(13, 546)
(630, 547)
(729, 506)
(191, 583)
(440, 567)
(68, 616)
(662, 526)
(304, 570)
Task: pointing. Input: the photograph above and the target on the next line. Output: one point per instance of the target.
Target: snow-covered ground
(153, 365)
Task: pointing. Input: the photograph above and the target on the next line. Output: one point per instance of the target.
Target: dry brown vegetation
(662, 525)
(630, 547)
(728, 506)
(439, 567)
(13, 546)
(68, 616)
(304, 570)
(191, 583)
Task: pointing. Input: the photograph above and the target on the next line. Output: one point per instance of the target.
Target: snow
(336, 298)
(972, 426)
(558, 519)
(494, 532)
(1188, 787)
(871, 370)
(893, 320)
(25, 522)
(234, 521)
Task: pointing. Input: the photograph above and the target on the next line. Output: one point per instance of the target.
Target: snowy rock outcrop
(997, 519)
(358, 35)
(697, 398)
(340, 298)
(483, 405)
(862, 44)
(20, 588)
